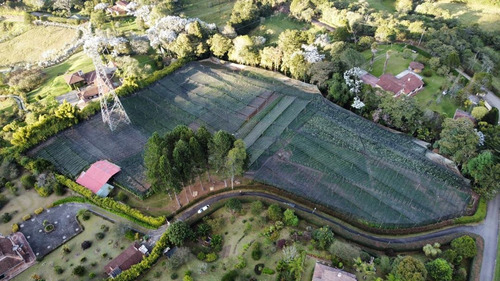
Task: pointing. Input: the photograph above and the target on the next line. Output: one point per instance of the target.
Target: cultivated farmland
(298, 141)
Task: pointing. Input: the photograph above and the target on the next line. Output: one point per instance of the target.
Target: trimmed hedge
(71, 199)
(39, 211)
(113, 206)
(478, 216)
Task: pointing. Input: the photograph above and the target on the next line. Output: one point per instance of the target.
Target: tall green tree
(486, 174)
(403, 113)
(221, 143)
(178, 232)
(204, 138)
(465, 246)
(440, 270)
(410, 269)
(324, 237)
(458, 139)
(235, 161)
(152, 154)
(198, 159)
(183, 163)
(220, 45)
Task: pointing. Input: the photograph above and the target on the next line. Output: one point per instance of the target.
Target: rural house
(15, 255)
(416, 67)
(407, 84)
(87, 84)
(120, 8)
(326, 273)
(132, 255)
(462, 114)
(97, 176)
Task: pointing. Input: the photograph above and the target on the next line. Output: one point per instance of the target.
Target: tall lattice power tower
(112, 111)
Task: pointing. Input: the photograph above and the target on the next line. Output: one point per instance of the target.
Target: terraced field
(298, 141)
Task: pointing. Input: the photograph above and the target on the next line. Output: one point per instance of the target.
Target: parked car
(203, 209)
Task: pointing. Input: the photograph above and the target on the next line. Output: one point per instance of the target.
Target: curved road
(488, 229)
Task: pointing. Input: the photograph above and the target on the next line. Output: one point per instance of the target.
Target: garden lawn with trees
(61, 263)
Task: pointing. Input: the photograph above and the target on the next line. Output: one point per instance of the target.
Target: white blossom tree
(100, 6)
(311, 54)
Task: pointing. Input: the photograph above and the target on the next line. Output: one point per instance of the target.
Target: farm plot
(298, 141)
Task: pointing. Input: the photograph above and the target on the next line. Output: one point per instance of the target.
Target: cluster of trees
(174, 160)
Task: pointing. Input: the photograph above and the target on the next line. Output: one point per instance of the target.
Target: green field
(272, 27)
(54, 85)
(431, 96)
(381, 5)
(487, 16)
(211, 11)
(298, 141)
(30, 45)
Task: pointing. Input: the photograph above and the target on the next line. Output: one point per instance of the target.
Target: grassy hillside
(30, 45)
(297, 140)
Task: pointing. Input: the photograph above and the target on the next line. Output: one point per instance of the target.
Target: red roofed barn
(97, 176)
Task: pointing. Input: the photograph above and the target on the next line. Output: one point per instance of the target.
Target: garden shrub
(427, 72)
(15, 227)
(258, 268)
(174, 276)
(201, 256)
(242, 263)
(39, 211)
(268, 271)
(84, 259)
(211, 257)
(59, 190)
(216, 242)
(58, 269)
(86, 244)
(28, 181)
(43, 191)
(256, 252)
(92, 275)
(6, 217)
(99, 235)
(122, 196)
(256, 207)
(104, 228)
(26, 217)
(79, 270)
(85, 215)
(230, 276)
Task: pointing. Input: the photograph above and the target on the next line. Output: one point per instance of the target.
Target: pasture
(211, 11)
(298, 141)
(273, 26)
(30, 45)
(486, 16)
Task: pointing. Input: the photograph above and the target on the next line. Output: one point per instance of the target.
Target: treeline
(175, 159)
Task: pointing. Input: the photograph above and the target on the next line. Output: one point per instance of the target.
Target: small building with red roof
(326, 273)
(132, 255)
(416, 67)
(97, 176)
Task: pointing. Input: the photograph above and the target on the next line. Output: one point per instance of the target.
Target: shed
(97, 176)
(416, 66)
(132, 255)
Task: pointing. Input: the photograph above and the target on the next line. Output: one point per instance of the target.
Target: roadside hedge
(113, 206)
(478, 216)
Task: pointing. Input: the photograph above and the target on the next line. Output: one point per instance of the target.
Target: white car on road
(203, 209)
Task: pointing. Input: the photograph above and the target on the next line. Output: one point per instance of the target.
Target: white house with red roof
(97, 176)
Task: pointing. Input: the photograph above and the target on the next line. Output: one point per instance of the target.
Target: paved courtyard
(66, 226)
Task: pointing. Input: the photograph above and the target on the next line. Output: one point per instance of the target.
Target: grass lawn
(272, 27)
(396, 63)
(30, 45)
(211, 11)
(112, 244)
(123, 26)
(26, 202)
(381, 5)
(54, 84)
(431, 97)
(487, 16)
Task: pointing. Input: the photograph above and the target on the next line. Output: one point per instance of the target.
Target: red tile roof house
(120, 8)
(97, 176)
(132, 255)
(87, 84)
(15, 255)
(326, 273)
(409, 84)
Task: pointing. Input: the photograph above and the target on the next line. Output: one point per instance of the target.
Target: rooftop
(327, 273)
(98, 175)
(132, 255)
(416, 65)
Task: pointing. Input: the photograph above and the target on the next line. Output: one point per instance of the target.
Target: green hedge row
(420, 51)
(136, 270)
(113, 206)
(71, 199)
(478, 216)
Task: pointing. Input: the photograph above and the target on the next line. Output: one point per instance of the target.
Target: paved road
(488, 229)
(19, 101)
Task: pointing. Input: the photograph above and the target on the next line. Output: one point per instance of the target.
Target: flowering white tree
(143, 13)
(166, 29)
(352, 79)
(311, 54)
(131, 7)
(322, 40)
(358, 104)
(481, 137)
(100, 6)
(259, 40)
